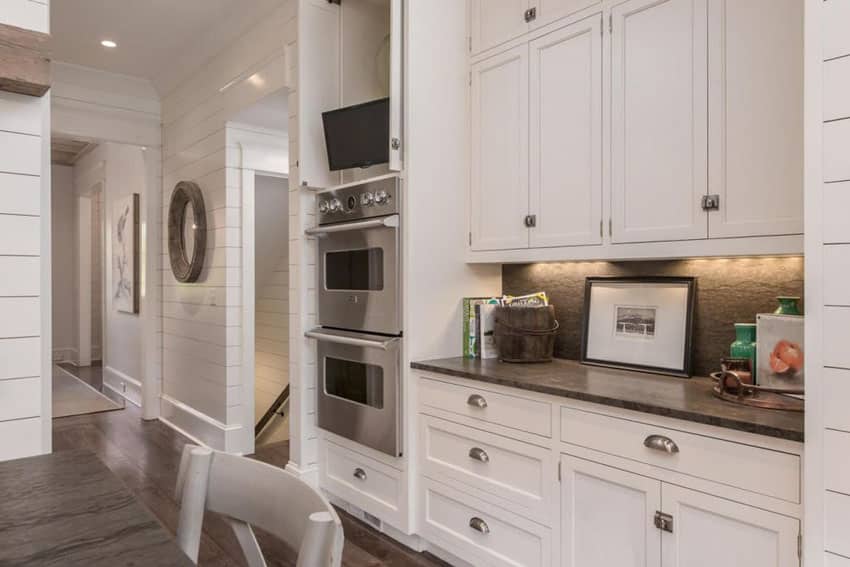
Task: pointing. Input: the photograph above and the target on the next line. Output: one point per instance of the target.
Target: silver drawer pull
(479, 525)
(359, 474)
(661, 443)
(479, 455)
(476, 401)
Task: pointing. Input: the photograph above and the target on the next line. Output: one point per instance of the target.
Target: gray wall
(728, 291)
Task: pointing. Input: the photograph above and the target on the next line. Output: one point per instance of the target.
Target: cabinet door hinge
(470, 78)
(559, 471)
(470, 238)
(601, 232)
(470, 44)
(664, 522)
(799, 545)
(610, 227)
(610, 24)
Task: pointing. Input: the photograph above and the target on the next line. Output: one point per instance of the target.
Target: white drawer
(478, 403)
(368, 484)
(500, 470)
(758, 470)
(447, 519)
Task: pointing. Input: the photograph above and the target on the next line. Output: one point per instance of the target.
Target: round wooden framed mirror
(187, 231)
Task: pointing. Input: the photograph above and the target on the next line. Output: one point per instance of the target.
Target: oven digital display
(355, 270)
(355, 381)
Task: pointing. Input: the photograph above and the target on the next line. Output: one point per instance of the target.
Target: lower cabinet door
(708, 532)
(608, 516)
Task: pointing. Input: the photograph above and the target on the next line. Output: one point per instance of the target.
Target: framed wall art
(125, 254)
(639, 323)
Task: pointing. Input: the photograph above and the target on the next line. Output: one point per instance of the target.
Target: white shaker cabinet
(547, 11)
(607, 516)
(756, 117)
(708, 531)
(499, 152)
(659, 120)
(566, 136)
(493, 22)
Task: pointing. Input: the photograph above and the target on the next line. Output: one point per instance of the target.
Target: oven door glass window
(355, 381)
(355, 270)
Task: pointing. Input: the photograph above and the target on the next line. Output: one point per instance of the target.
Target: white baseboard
(200, 427)
(310, 474)
(65, 354)
(124, 385)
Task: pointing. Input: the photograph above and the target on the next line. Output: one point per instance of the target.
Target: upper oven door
(360, 276)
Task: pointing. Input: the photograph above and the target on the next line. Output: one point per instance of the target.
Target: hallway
(145, 455)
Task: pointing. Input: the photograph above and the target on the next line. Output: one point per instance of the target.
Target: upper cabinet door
(551, 10)
(566, 135)
(493, 22)
(710, 531)
(395, 84)
(607, 516)
(756, 117)
(659, 120)
(499, 152)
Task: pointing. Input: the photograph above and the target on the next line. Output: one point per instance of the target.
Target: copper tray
(756, 396)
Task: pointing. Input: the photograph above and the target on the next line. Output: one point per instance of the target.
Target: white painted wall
(64, 284)
(122, 170)
(202, 384)
(25, 232)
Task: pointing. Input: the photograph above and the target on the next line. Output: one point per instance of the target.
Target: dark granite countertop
(686, 399)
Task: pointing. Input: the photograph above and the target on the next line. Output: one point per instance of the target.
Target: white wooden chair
(251, 493)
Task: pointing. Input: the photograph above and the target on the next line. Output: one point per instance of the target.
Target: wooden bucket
(525, 334)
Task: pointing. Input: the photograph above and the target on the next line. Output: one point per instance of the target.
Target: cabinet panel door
(551, 10)
(493, 22)
(499, 154)
(659, 120)
(710, 531)
(607, 516)
(756, 117)
(566, 135)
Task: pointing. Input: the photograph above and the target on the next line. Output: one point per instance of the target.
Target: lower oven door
(359, 394)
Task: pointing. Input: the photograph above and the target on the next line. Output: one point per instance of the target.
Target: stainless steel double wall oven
(360, 313)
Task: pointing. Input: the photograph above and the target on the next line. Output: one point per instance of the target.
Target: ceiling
(270, 112)
(65, 151)
(159, 40)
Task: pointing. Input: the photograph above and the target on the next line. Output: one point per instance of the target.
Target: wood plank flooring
(146, 456)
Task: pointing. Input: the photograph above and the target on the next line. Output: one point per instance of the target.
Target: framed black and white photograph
(639, 323)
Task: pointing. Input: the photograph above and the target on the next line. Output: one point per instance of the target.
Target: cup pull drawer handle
(476, 401)
(479, 454)
(661, 443)
(479, 525)
(359, 474)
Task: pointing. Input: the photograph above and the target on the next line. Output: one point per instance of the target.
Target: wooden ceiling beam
(24, 61)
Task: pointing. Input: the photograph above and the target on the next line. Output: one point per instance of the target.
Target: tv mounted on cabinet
(358, 136)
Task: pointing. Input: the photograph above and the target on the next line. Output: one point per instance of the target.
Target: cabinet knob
(478, 454)
(359, 474)
(479, 525)
(661, 443)
(530, 221)
(476, 401)
(530, 15)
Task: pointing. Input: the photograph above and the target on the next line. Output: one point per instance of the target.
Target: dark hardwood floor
(146, 456)
(91, 375)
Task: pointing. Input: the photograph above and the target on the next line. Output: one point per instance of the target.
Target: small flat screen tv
(358, 136)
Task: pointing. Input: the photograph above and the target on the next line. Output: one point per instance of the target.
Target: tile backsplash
(729, 290)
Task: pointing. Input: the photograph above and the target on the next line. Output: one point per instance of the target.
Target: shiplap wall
(828, 368)
(201, 323)
(25, 315)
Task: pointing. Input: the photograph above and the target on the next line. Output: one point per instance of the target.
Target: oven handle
(390, 221)
(353, 341)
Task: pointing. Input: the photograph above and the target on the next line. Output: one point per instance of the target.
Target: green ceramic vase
(745, 344)
(788, 306)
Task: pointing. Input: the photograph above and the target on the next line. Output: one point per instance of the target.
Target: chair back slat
(259, 495)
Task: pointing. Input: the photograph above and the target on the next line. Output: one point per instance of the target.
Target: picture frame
(639, 323)
(780, 352)
(125, 254)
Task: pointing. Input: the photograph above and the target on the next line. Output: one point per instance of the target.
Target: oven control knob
(335, 205)
(381, 198)
(367, 199)
(323, 207)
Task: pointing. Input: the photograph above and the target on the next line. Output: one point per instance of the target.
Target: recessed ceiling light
(108, 43)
